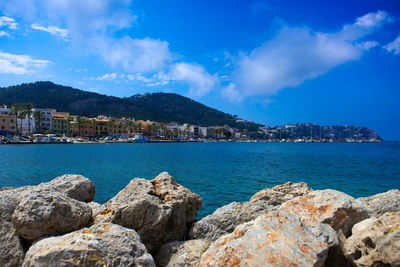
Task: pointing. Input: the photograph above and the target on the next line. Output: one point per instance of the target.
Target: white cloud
(108, 77)
(367, 45)
(53, 30)
(295, 55)
(8, 22)
(199, 80)
(137, 54)
(394, 46)
(20, 64)
(3, 33)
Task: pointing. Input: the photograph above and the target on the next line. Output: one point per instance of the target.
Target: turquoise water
(219, 172)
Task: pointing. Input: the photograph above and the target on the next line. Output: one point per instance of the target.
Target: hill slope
(161, 107)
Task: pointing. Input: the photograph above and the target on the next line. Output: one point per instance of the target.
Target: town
(26, 124)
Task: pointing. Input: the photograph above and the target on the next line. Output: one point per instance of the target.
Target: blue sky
(273, 62)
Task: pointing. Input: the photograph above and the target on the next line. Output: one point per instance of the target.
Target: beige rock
(49, 212)
(160, 210)
(72, 185)
(225, 219)
(11, 245)
(379, 204)
(181, 253)
(375, 241)
(100, 245)
(302, 232)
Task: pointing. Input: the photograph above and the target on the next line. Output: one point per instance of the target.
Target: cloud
(8, 22)
(20, 64)
(297, 54)
(137, 55)
(199, 80)
(3, 33)
(394, 46)
(58, 32)
(108, 77)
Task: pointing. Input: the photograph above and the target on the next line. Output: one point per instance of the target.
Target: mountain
(160, 107)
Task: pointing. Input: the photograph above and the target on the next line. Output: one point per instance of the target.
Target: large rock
(100, 245)
(302, 232)
(49, 212)
(375, 241)
(72, 185)
(181, 253)
(225, 219)
(381, 203)
(11, 245)
(160, 210)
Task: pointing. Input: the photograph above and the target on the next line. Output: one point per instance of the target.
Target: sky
(273, 62)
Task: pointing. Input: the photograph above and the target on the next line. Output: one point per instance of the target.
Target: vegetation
(159, 107)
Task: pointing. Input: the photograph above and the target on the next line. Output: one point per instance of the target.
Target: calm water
(219, 172)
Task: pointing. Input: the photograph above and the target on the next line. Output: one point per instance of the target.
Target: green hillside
(160, 107)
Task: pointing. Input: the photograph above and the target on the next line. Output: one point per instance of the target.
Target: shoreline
(173, 141)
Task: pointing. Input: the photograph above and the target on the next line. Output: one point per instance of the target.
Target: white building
(203, 131)
(24, 125)
(47, 118)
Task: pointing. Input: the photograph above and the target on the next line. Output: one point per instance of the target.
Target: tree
(28, 109)
(15, 109)
(38, 118)
(21, 116)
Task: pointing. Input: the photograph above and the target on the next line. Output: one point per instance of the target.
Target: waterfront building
(60, 123)
(46, 121)
(7, 122)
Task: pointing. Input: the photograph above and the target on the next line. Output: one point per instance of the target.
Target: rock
(11, 246)
(100, 245)
(74, 186)
(95, 207)
(375, 241)
(379, 204)
(181, 253)
(301, 232)
(160, 210)
(49, 212)
(225, 219)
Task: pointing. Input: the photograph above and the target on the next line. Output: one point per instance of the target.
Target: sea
(219, 172)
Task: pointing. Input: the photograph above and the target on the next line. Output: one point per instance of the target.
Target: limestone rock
(381, 203)
(95, 207)
(160, 210)
(302, 232)
(100, 245)
(225, 219)
(11, 248)
(375, 241)
(181, 253)
(49, 212)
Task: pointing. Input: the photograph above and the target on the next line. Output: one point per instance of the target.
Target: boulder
(11, 245)
(41, 213)
(225, 219)
(100, 245)
(301, 232)
(379, 204)
(160, 210)
(72, 185)
(181, 253)
(375, 241)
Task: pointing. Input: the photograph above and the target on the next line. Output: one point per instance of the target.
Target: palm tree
(80, 122)
(38, 118)
(21, 116)
(109, 126)
(15, 109)
(28, 109)
(93, 124)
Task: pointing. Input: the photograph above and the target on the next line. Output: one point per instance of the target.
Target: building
(60, 123)
(46, 120)
(27, 125)
(7, 122)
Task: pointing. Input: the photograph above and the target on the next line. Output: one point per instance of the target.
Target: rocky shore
(153, 223)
